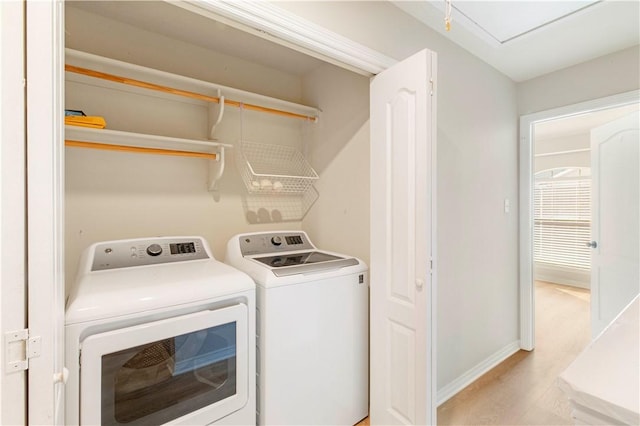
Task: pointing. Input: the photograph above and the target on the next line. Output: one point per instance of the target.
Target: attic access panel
(504, 21)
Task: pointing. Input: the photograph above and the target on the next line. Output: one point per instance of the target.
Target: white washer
(312, 329)
(158, 331)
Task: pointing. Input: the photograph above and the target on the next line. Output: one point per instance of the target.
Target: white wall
(601, 77)
(477, 169)
(339, 151)
(87, 32)
(113, 195)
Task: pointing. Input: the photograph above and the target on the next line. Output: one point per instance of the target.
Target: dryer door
(187, 369)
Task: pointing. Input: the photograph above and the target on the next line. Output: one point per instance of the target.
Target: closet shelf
(116, 140)
(111, 71)
(98, 71)
(84, 137)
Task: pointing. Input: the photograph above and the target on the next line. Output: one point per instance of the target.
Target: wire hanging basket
(269, 168)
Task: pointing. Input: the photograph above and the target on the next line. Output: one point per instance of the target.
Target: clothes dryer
(312, 329)
(158, 331)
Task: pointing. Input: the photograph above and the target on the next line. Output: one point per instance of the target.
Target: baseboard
(474, 373)
(550, 278)
(564, 276)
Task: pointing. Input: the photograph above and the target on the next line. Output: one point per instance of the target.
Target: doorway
(590, 114)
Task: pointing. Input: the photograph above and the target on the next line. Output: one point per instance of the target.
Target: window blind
(562, 222)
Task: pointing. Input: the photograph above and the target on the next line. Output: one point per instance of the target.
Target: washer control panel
(150, 251)
(274, 242)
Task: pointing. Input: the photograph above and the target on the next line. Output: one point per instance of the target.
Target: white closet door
(615, 218)
(45, 213)
(13, 389)
(402, 242)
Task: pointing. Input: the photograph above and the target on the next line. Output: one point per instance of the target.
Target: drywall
(477, 295)
(113, 195)
(86, 31)
(601, 77)
(338, 148)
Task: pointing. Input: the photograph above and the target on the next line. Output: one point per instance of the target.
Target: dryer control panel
(148, 251)
(274, 242)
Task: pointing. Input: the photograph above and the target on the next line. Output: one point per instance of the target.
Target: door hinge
(19, 347)
(431, 85)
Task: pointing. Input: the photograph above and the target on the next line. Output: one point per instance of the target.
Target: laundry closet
(320, 123)
(80, 193)
(182, 132)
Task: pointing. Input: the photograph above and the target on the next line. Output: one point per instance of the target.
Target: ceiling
(522, 39)
(170, 21)
(526, 39)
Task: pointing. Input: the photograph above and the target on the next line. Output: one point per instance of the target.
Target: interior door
(615, 260)
(402, 243)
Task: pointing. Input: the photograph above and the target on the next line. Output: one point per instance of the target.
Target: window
(562, 218)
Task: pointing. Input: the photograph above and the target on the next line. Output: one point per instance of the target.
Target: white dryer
(312, 329)
(158, 331)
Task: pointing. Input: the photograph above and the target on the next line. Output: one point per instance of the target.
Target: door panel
(402, 180)
(615, 261)
(402, 367)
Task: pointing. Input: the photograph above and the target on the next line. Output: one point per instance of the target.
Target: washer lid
(304, 262)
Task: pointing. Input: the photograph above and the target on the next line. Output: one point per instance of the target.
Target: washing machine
(312, 329)
(158, 331)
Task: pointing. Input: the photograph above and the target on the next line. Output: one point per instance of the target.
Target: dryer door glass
(168, 378)
(161, 381)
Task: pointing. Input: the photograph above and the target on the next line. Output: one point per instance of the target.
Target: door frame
(526, 155)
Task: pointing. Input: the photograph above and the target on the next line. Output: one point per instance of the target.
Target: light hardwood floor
(522, 390)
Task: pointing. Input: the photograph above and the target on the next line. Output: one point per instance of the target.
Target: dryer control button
(154, 250)
(276, 241)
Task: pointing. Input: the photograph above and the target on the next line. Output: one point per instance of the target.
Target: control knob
(276, 241)
(154, 250)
